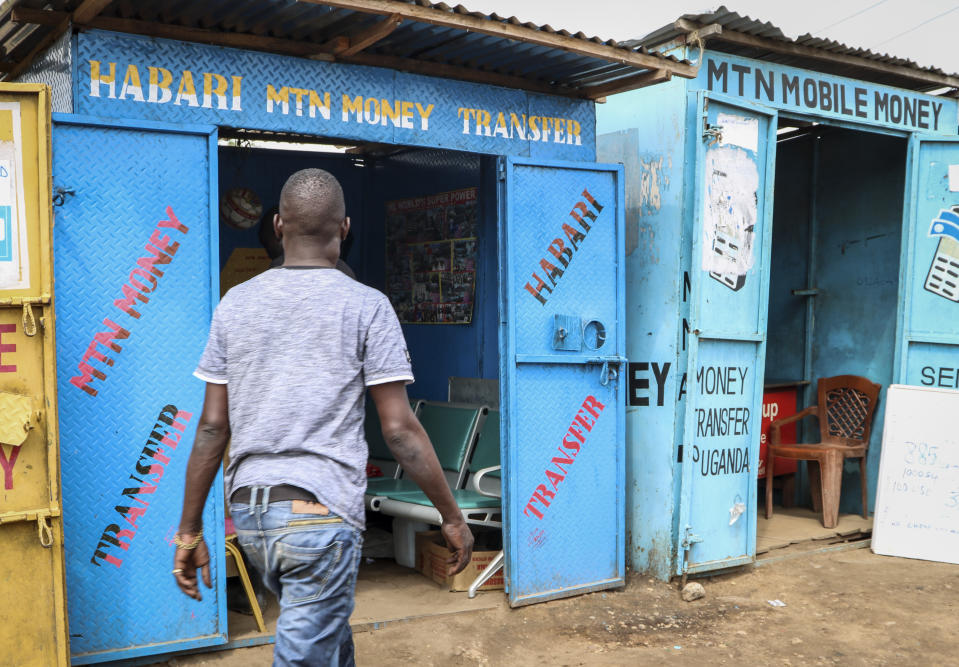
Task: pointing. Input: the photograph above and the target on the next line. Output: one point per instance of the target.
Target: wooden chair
(846, 407)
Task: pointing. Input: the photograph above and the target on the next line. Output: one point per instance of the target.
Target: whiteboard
(917, 498)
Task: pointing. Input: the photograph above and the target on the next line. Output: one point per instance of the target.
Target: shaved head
(311, 204)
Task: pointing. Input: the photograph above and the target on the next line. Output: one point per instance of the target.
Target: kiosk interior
(511, 269)
(788, 226)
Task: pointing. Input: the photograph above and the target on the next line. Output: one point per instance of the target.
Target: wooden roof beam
(36, 16)
(371, 35)
(89, 9)
(518, 33)
(46, 42)
(628, 83)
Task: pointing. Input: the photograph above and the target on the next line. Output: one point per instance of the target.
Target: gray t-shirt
(297, 348)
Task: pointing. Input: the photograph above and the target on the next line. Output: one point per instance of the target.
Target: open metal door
(927, 350)
(136, 247)
(735, 147)
(33, 615)
(562, 349)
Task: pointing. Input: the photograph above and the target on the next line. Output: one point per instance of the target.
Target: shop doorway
(833, 295)
(429, 229)
(423, 233)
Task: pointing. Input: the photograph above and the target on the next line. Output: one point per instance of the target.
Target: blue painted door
(562, 349)
(134, 253)
(927, 351)
(729, 288)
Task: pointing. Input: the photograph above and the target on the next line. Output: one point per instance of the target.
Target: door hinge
(501, 171)
(689, 538)
(60, 195)
(712, 134)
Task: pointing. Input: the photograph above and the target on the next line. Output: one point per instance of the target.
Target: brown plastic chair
(847, 404)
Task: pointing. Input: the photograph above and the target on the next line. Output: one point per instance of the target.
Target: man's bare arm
(411, 446)
(212, 436)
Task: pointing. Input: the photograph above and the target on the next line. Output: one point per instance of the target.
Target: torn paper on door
(738, 131)
(729, 219)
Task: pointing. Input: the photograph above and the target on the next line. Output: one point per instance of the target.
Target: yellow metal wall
(33, 619)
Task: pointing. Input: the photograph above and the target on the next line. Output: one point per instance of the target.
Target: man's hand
(188, 561)
(459, 540)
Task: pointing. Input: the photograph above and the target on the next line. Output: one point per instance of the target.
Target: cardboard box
(438, 553)
(423, 539)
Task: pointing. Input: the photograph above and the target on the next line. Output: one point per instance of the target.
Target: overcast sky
(926, 31)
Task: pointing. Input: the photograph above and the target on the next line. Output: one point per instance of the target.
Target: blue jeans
(309, 561)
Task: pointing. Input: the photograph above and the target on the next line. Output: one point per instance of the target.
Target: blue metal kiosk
(494, 104)
(790, 215)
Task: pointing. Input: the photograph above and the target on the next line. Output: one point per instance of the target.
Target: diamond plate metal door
(927, 342)
(729, 276)
(562, 348)
(135, 246)
(33, 616)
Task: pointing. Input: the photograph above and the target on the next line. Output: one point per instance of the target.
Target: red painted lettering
(156, 257)
(541, 492)
(576, 433)
(7, 465)
(574, 235)
(592, 201)
(7, 348)
(88, 372)
(531, 508)
(584, 420)
(537, 291)
(107, 337)
(586, 214)
(571, 445)
(565, 459)
(162, 242)
(552, 272)
(559, 250)
(591, 403)
(139, 285)
(161, 457)
(177, 225)
(126, 303)
(562, 252)
(554, 478)
(141, 280)
(132, 514)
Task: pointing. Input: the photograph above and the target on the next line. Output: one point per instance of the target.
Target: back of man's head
(311, 204)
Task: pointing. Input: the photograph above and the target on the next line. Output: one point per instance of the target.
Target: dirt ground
(850, 607)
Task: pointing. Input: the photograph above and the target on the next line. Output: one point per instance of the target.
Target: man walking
(288, 359)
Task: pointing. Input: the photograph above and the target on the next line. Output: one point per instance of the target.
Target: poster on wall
(14, 258)
(431, 257)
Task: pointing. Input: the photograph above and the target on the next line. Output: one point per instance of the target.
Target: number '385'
(920, 454)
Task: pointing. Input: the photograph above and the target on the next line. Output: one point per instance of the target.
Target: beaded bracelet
(180, 544)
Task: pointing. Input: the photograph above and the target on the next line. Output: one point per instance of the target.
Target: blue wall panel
(128, 406)
(120, 76)
(645, 131)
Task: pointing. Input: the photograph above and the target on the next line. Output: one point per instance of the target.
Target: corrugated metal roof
(830, 56)
(435, 37)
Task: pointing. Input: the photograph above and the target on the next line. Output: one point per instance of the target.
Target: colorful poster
(431, 257)
(14, 258)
